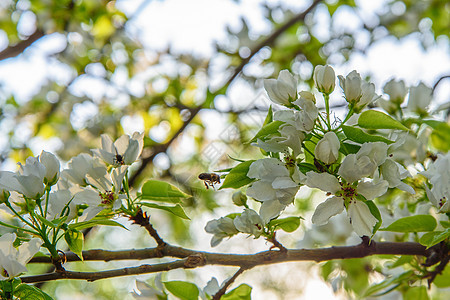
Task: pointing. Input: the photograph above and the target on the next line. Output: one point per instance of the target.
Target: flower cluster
(351, 165)
(41, 195)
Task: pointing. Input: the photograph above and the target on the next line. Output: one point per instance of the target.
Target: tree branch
(93, 276)
(251, 260)
(13, 51)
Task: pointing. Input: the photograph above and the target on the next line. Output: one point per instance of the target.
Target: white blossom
(220, 228)
(393, 173)
(12, 260)
(325, 79)
(52, 167)
(327, 149)
(357, 92)
(249, 222)
(361, 218)
(438, 174)
(104, 192)
(351, 85)
(282, 90)
(288, 137)
(325, 210)
(124, 151)
(323, 181)
(81, 165)
(354, 168)
(420, 97)
(275, 187)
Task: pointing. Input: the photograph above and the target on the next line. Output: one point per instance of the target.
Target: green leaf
(242, 292)
(432, 123)
(182, 289)
(445, 224)
(95, 222)
(45, 221)
(238, 176)
(269, 117)
(161, 191)
(432, 238)
(416, 293)
(267, 129)
(289, 224)
(74, 240)
(404, 259)
(306, 167)
(440, 137)
(177, 210)
(372, 119)
(347, 148)
(29, 292)
(386, 283)
(376, 213)
(417, 223)
(359, 136)
(442, 280)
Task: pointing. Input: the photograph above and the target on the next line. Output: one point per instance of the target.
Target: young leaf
(238, 176)
(440, 137)
(74, 240)
(94, 222)
(267, 129)
(372, 119)
(29, 292)
(347, 148)
(45, 221)
(359, 136)
(177, 210)
(269, 117)
(182, 290)
(242, 292)
(161, 191)
(417, 223)
(416, 293)
(432, 238)
(289, 224)
(441, 280)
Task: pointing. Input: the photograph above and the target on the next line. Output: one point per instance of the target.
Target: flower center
(107, 197)
(348, 192)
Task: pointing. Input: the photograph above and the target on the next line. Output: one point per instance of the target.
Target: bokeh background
(189, 74)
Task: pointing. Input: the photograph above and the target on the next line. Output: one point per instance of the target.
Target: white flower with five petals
(358, 212)
(124, 151)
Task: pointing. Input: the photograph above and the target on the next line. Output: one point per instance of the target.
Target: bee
(118, 159)
(209, 179)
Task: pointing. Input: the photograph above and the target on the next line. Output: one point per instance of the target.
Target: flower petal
(325, 210)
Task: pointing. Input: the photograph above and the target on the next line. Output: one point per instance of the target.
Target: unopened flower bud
(396, 91)
(419, 99)
(324, 79)
(239, 198)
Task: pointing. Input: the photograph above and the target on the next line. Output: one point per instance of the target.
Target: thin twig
(230, 281)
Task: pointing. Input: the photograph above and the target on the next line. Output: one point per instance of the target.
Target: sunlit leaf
(417, 223)
(372, 119)
(238, 176)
